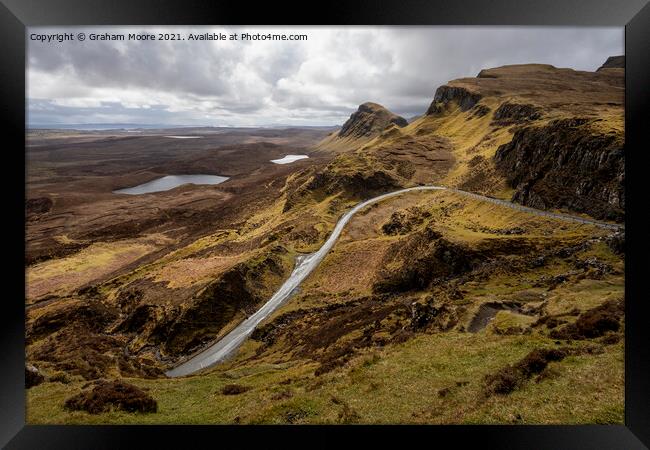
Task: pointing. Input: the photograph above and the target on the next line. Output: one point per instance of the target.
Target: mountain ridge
(472, 123)
(431, 307)
(366, 123)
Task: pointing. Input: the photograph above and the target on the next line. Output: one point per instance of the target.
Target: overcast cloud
(317, 82)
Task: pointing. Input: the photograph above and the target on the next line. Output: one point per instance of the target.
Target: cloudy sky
(320, 81)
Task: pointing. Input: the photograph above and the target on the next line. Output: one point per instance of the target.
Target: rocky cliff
(543, 136)
(369, 121)
(566, 164)
(614, 62)
(462, 97)
(554, 136)
(366, 123)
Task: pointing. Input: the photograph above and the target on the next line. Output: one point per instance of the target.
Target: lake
(170, 182)
(289, 159)
(184, 137)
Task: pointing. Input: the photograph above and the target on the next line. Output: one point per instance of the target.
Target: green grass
(398, 384)
(432, 378)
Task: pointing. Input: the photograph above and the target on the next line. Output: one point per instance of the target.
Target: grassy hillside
(456, 142)
(432, 307)
(339, 351)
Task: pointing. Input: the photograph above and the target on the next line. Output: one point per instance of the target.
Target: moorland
(431, 307)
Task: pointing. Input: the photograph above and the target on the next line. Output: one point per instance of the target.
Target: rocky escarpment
(613, 62)
(555, 135)
(566, 164)
(71, 337)
(369, 121)
(425, 256)
(511, 113)
(446, 94)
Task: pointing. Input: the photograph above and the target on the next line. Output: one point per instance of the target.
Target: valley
(464, 267)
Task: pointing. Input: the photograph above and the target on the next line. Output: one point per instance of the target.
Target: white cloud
(320, 81)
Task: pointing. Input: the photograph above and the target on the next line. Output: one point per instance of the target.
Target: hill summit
(369, 121)
(613, 62)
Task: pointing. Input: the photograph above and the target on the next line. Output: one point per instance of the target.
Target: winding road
(227, 345)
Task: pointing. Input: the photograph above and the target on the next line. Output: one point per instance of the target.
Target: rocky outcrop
(566, 164)
(92, 315)
(511, 113)
(480, 111)
(79, 351)
(33, 376)
(446, 94)
(613, 62)
(369, 121)
(426, 255)
(616, 242)
(403, 222)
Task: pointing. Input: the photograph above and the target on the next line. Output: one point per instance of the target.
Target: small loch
(289, 159)
(184, 137)
(170, 182)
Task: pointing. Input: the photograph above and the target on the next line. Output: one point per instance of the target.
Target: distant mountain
(100, 126)
(543, 136)
(367, 122)
(159, 126)
(614, 62)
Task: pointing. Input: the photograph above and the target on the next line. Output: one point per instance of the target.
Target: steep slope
(554, 135)
(543, 136)
(566, 164)
(431, 307)
(370, 120)
(613, 62)
(366, 123)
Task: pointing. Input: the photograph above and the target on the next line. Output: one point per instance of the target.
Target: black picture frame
(634, 15)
